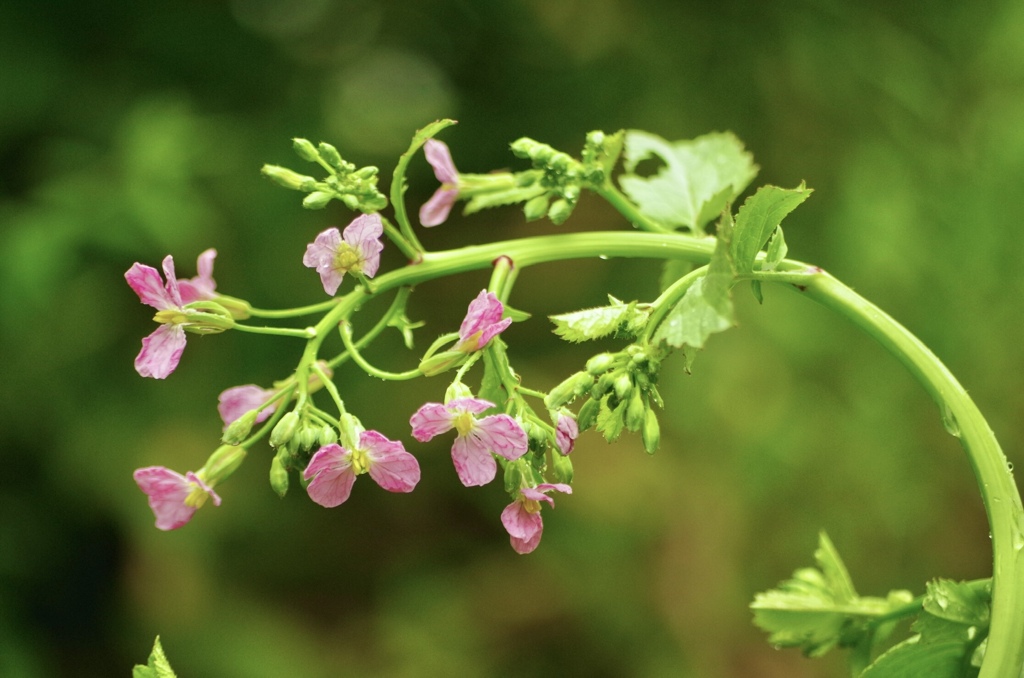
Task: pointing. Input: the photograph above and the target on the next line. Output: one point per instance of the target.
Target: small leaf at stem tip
(758, 218)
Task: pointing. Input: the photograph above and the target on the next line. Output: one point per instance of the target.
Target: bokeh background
(131, 130)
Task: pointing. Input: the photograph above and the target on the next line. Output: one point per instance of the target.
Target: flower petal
(566, 432)
(202, 286)
(440, 158)
(435, 211)
(471, 405)
(473, 462)
(430, 420)
(332, 476)
(391, 466)
(147, 283)
(237, 400)
(524, 528)
(172, 281)
(364, 234)
(501, 434)
(167, 491)
(161, 352)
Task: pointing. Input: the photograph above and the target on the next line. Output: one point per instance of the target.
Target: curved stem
(1004, 655)
(358, 359)
(293, 312)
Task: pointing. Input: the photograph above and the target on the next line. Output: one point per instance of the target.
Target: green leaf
(913, 659)
(495, 366)
(610, 421)
(594, 323)
(758, 217)
(957, 602)
(817, 608)
(699, 178)
(777, 250)
(157, 667)
(706, 307)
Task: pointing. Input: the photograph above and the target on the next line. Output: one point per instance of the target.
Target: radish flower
(482, 323)
(173, 497)
(477, 439)
(522, 518)
(435, 211)
(357, 250)
(333, 469)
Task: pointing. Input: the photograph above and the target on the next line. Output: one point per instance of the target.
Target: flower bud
(635, 411)
(455, 391)
(651, 432)
(623, 386)
(317, 200)
(285, 429)
(367, 172)
(535, 208)
(305, 149)
(327, 435)
(351, 201)
(330, 154)
(588, 414)
(222, 463)
(307, 437)
(559, 211)
(513, 477)
(600, 363)
(278, 476)
(441, 362)
(562, 467)
(239, 429)
(538, 437)
(282, 176)
(603, 385)
(577, 384)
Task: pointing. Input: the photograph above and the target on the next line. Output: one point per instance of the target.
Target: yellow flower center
(531, 505)
(348, 258)
(360, 462)
(197, 497)
(171, 316)
(464, 423)
(471, 342)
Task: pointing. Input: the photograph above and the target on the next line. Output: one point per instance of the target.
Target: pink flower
(334, 254)
(172, 496)
(203, 285)
(435, 210)
(522, 517)
(237, 400)
(162, 349)
(477, 438)
(482, 323)
(333, 469)
(566, 432)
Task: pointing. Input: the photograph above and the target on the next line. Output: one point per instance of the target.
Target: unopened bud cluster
(355, 187)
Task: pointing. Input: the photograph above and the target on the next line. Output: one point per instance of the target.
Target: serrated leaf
(699, 178)
(610, 421)
(836, 576)
(706, 307)
(957, 602)
(777, 250)
(912, 659)
(157, 666)
(594, 323)
(758, 217)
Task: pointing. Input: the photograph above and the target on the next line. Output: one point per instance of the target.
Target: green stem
(1004, 655)
(626, 208)
(358, 359)
(293, 312)
(307, 333)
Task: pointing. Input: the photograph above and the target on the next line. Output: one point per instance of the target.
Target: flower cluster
(328, 452)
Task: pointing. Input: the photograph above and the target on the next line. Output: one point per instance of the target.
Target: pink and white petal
(327, 458)
(492, 331)
(391, 466)
(369, 252)
(440, 158)
(431, 420)
(237, 400)
(330, 278)
(548, 487)
(474, 464)
(202, 286)
(524, 546)
(364, 228)
(519, 522)
(331, 487)
(566, 432)
(501, 434)
(435, 211)
(147, 283)
(172, 281)
(471, 405)
(161, 351)
(483, 311)
(322, 249)
(166, 490)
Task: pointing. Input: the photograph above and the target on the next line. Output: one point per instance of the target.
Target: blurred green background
(131, 130)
